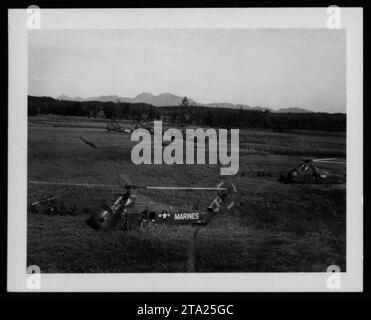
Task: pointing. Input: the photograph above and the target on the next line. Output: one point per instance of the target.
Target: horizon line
(199, 104)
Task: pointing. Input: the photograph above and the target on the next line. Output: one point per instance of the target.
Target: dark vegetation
(187, 114)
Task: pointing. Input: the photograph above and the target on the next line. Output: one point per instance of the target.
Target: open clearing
(274, 228)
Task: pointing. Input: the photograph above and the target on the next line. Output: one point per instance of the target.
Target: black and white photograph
(200, 147)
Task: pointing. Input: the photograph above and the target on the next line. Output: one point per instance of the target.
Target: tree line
(189, 115)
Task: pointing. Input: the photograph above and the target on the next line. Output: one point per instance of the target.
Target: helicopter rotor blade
(125, 182)
(126, 185)
(329, 160)
(45, 200)
(61, 183)
(188, 188)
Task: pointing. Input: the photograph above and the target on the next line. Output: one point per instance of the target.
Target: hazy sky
(274, 68)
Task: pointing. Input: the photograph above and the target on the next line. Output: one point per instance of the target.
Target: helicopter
(116, 127)
(131, 209)
(120, 127)
(308, 172)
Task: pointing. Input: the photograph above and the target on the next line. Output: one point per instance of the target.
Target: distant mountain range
(161, 100)
(168, 99)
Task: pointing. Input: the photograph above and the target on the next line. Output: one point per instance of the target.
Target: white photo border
(351, 20)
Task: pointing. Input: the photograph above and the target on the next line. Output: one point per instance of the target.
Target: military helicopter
(308, 172)
(120, 127)
(130, 209)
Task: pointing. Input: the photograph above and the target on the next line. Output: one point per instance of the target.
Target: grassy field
(274, 227)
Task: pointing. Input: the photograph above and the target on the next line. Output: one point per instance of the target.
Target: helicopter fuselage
(129, 213)
(309, 173)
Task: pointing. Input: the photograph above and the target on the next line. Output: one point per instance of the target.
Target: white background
(181, 18)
